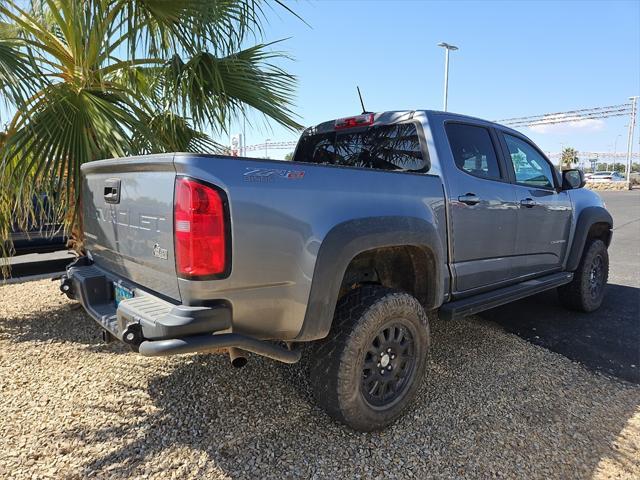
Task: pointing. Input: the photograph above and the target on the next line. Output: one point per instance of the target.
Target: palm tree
(92, 79)
(569, 157)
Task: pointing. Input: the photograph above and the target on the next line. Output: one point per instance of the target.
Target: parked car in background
(606, 177)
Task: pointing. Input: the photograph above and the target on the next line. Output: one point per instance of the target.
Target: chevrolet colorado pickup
(379, 220)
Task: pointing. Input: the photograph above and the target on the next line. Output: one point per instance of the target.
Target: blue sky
(516, 58)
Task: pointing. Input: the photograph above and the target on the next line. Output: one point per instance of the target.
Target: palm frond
(18, 77)
(57, 134)
(91, 79)
(164, 27)
(214, 90)
(173, 133)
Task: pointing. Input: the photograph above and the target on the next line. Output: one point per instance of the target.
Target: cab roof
(396, 116)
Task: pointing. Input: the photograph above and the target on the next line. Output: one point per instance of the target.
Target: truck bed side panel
(281, 212)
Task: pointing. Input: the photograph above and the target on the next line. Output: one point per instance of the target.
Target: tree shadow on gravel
(66, 322)
(491, 405)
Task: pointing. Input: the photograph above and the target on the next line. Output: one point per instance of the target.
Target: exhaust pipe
(201, 343)
(238, 357)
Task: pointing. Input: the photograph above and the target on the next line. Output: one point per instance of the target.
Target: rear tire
(586, 291)
(368, 370)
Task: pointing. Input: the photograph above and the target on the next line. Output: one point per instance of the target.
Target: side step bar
(485, 301)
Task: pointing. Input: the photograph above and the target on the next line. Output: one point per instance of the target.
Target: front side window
(386, 147)
(473, 150)
(530, 167)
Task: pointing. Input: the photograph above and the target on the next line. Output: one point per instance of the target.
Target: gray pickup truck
(379, 220)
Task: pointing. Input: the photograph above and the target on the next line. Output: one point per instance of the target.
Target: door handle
(469, 199)
(528, 202)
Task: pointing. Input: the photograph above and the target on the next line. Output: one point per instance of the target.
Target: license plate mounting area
(120, 292)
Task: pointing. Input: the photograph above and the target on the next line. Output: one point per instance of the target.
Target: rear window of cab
(393, 147)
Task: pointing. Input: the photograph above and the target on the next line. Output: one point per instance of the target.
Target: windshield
(386, 147)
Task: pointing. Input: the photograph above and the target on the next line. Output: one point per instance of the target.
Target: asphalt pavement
(607, 340)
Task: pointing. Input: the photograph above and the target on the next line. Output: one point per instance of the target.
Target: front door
(482, 208)
(544, 214)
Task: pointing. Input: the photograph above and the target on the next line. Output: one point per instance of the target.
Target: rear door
(482, 207)
(544, 213)
(128, 219)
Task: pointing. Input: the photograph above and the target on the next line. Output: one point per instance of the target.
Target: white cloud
(589, 125)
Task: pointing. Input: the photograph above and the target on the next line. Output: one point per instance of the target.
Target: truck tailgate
(128, 219)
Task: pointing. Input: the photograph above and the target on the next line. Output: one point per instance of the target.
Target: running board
(485, 301)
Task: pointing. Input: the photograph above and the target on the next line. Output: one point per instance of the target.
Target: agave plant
(92, 79)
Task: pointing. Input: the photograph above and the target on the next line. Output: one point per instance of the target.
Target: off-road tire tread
(325, 360)
(573, 295)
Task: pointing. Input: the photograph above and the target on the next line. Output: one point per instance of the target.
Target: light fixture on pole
(447, 47)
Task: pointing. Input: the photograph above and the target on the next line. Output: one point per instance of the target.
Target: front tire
(586, 291)
(368, 370)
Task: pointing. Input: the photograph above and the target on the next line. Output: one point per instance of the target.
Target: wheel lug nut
(382, 354)
(378, 365)
(381, 372)
(389, 367)
(392, 357)
(388, 350)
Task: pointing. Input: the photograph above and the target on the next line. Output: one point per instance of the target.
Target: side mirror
(572, 179)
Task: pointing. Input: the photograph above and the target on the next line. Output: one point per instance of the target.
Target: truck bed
(280, 213)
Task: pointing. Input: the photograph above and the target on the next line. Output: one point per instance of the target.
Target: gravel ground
(492, 405)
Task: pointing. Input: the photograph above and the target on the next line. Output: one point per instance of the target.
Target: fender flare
(347, 240)
(588, 217)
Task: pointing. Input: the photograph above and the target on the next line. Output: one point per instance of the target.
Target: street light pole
(266, 147)
(244, 135)
(615, 147)
(446, 47)
(632, 126)
(615, 151)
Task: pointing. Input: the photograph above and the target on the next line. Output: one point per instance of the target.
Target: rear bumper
(154, 326)
(158, 319)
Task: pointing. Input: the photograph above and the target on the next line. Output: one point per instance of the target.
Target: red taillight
(352, 122)
(199, 229)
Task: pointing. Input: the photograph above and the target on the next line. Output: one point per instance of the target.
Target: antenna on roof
(364, 110)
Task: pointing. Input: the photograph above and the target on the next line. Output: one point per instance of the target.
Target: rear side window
(386, 147)
(473, 150)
